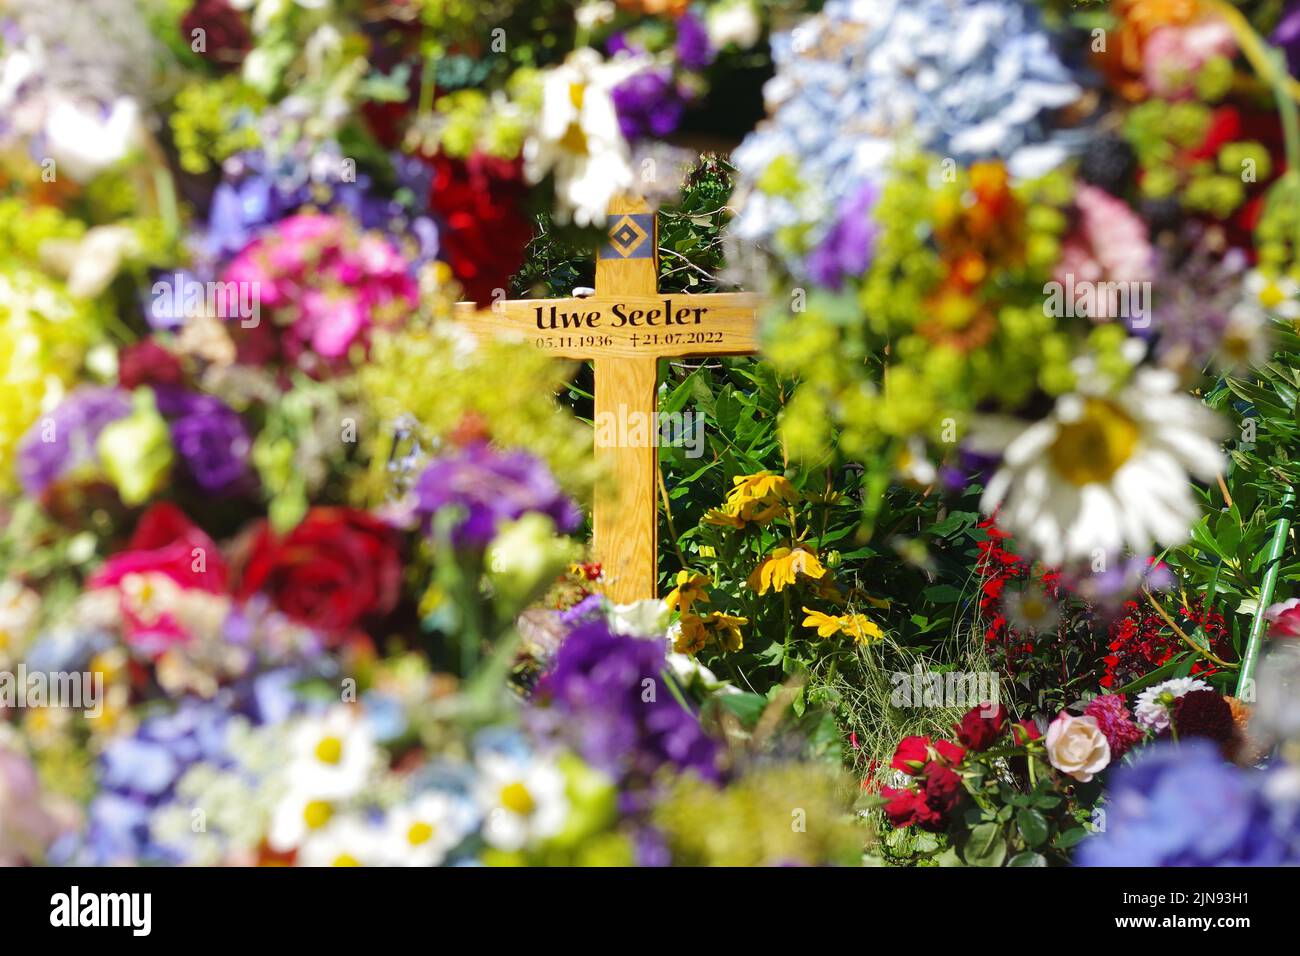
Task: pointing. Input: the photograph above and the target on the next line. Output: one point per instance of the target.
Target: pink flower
(1115, 721)
(332, 283)
(1284, 618)
(1173, 55)
(166, 547)
(1109, 244)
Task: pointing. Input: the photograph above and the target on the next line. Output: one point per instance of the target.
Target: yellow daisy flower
(782, 567)
(759, 498)
(691, 587)
(692, 635)
(726, 630)
(827, 625)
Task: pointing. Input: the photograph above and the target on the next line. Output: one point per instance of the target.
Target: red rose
(1024, 731)
(901, 810)
(337, 566)
(943, 790)
(911, 754)
(484, 230)
(148, 363)
(979, 732)
(949, 752)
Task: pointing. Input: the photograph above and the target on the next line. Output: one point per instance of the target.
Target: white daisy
(1271, 295)
(332, 754)
(1246, 341)
(297, 816)
(422, 832)
(1102, 472)
(1152, 709)
(522, 800)
(578, 137)
(1030, 609)
(346, 841)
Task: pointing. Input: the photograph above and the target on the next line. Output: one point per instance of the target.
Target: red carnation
(911, 754)
(484, 230)
(338, 566)
(977, 731)
(148, 363)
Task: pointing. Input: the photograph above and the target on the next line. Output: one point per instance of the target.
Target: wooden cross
(626, 327)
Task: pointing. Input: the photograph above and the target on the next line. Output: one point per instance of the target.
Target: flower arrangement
(986, 559)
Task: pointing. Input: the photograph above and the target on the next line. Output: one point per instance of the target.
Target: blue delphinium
(1182, 805)
(969, 81)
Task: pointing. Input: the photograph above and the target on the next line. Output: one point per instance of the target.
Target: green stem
(1274, 564)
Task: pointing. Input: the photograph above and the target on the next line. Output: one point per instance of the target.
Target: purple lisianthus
(210, 438)
(490, 488)
(1182, 805)
(693, 49)
(607, 699)
(846, 250)
(648, 103)
(65, 439)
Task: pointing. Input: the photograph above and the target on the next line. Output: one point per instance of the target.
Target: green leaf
(985, 846)
(1028, 858)
(1033, 826)
(1071, 837)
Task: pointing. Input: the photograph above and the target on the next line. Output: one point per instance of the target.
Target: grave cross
(626, 327)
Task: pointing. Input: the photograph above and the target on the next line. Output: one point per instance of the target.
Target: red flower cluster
(1141, 641)
(483, 231)
(338, 566)
(933, 764)
(998, 566)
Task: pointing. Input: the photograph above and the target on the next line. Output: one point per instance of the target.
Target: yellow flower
(723, 518)
(758, 498)
(857, 626)
(861, 628)
(782, 567)
(691, 587)
(726, 630)
(692, 637)
(827, 625)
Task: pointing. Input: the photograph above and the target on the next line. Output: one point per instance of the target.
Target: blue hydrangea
(967, 80)
(1182, 805)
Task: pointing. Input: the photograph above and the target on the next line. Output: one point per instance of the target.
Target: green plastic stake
(1274, 564)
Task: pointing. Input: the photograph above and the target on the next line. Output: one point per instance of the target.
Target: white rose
(736, 23)
(1077, 747)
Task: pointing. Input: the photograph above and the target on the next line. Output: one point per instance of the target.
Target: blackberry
(1162, 215)
(1109, 163)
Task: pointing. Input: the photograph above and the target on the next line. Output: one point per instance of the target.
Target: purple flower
(648, 104)
(1182, 805)
(1287, 36)
(65, 439)
(210, 438)
(693, 49)
(608, 700)
(847, 248)
(489, 488)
